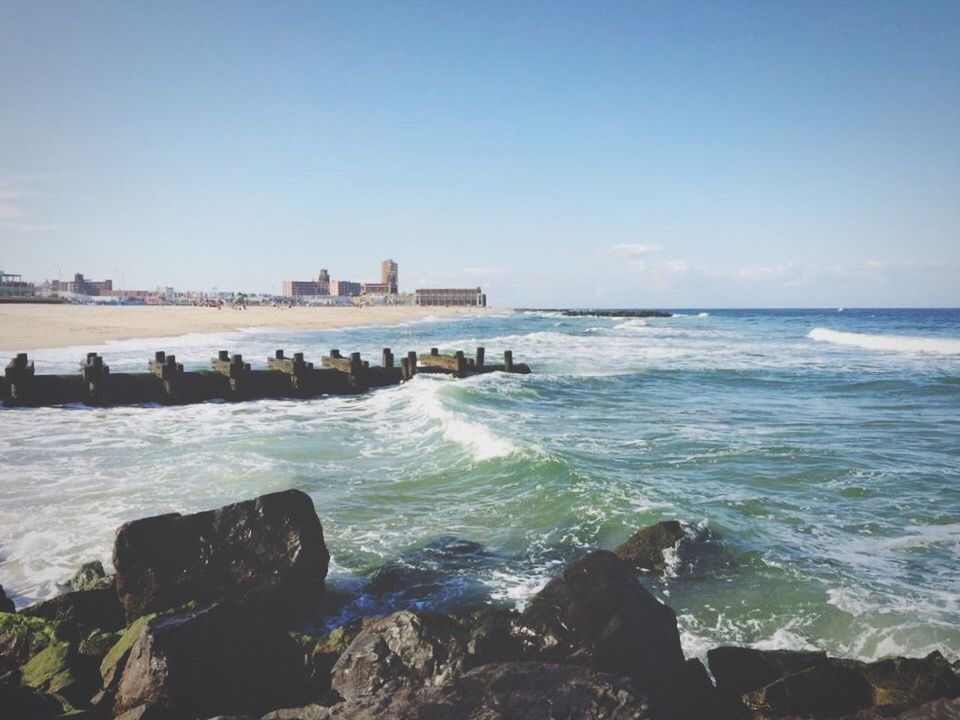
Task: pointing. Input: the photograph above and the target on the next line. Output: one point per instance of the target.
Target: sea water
(813, 457)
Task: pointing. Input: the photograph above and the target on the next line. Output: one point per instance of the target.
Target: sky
(582, 154)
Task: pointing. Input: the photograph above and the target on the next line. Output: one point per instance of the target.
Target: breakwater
(230, 378)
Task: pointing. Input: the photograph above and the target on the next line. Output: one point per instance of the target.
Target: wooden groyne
(230, 378)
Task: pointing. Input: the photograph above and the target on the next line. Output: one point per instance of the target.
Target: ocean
(812, 455)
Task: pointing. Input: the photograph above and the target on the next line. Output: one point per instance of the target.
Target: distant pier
(230, 378)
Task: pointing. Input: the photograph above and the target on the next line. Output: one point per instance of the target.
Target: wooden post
(508, 360)
(19, 375)
(480, 353)
(405, 369)
(434, 351)
(95, 375)
(387, 358)
(412, 357)
(461, 363)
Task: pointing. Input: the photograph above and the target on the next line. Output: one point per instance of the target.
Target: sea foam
(888, 343)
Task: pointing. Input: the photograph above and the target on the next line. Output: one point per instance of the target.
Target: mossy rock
(118, 652)
(23, 637)
(90, 576)
(49, 670)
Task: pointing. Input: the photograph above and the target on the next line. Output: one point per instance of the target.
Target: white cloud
(485, 271)
(634, 249)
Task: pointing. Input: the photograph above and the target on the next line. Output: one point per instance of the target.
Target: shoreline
(38, 327)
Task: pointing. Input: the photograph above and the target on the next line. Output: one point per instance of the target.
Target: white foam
(888, 343)
(476, 438)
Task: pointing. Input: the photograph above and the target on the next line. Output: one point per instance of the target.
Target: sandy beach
(29, 327)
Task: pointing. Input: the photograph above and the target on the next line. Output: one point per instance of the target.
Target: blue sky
(587, 154)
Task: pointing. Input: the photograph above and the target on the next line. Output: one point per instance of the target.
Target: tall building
(390, 276)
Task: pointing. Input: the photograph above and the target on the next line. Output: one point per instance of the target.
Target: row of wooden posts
(230, 378)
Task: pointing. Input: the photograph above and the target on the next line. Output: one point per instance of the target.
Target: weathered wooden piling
(19, 376)
(301, 372)
(508, 360)
(230, 378)
(96, 377)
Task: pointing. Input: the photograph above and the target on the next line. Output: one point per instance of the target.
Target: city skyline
(795, 155)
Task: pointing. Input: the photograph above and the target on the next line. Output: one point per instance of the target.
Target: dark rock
(90, 576)
(827, 690)
(908, 682)
(643, 550)
(269, 550)
(216, 660)
(695, 696)
(6, 604)
(444, 573)
(508, 691)
(147, 712)
(935, 710)
(615, 313)
(307, 712)
(21, 703)
(321, 654)
(598, 614)
(405, 648)
(490, 638)
(92, 608)
(738, 670)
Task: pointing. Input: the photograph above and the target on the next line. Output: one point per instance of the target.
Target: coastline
(30, 327)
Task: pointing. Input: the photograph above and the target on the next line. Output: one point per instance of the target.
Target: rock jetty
(205, 618)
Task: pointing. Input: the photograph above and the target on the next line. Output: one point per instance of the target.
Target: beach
(30, 327)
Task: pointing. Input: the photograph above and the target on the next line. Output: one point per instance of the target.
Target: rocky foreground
(204, 619)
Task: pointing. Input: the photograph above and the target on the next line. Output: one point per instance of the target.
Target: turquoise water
(813, 455)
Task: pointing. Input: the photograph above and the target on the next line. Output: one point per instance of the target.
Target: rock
(6, 604)
(21, 703)
(598, 614)
(507, 691)
(695, 695)
(404, 649)
(490, 638)
(643, 550)
(825, 690)
(307, 712)
(219, 659)
(91, 608)
(90, 576)
(270, 550)
(23, 637)
(444, 573)
(908, 682)
(59, 670)
(115, 660)
(738, 670)
(935, 710)
(321, 654)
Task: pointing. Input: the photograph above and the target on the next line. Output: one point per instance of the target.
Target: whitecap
(888, 343)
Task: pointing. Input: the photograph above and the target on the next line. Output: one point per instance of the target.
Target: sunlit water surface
(815, 454)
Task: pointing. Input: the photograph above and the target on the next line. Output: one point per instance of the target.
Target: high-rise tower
(389, 276)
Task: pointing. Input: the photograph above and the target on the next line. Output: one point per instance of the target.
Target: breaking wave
(888, 343)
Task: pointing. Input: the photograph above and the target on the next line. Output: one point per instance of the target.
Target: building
(82, 286)
(389, 276)
(345, 288)
(451, 296)
(379, 289)
(12, 285)
(299, 288)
